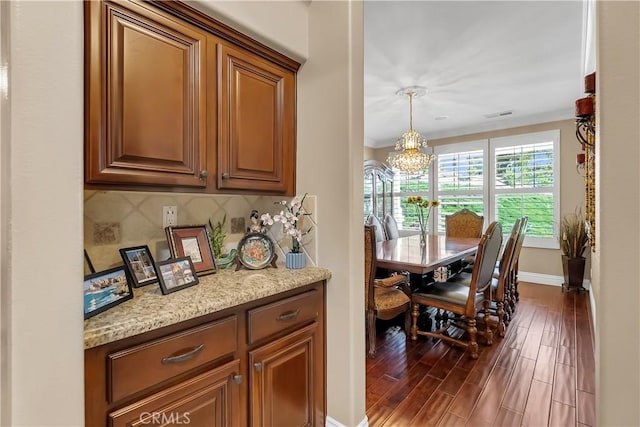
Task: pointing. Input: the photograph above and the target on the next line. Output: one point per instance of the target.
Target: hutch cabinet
(378, 189)
(176, 101)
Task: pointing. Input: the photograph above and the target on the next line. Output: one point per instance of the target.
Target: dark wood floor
(541, 373)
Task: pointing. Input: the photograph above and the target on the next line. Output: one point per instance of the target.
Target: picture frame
(256, 251)
(192, 241)
(176, 274)
(106, 289)
(141, 266)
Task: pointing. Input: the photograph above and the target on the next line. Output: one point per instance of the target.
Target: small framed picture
(140, 264)
(176, 274)
(192, 241)
(106, 289)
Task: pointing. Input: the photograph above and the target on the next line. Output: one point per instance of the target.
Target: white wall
(282, 25)
(5, 294)
(330, 155)
(45, 213)
(616, 268)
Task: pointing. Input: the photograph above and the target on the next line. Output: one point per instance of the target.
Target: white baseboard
(547, 279)
(331, 422)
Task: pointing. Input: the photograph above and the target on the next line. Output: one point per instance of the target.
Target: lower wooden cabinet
(258, 364)
(210, 399)
(284, 388)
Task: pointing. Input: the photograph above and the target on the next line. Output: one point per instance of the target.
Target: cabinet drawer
(137, 368)
(278, 316)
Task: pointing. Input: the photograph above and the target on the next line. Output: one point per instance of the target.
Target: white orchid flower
(266, 219)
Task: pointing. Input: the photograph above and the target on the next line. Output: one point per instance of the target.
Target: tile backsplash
(120, 219)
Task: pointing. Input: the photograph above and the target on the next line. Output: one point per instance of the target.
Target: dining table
(407, 253)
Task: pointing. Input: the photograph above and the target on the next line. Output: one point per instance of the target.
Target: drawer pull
(237, 379)
(258, 366)
(288, 316)
(182, 357)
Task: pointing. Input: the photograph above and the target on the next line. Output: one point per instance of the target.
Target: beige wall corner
(330, 155)
(45, 233)
(616, 269)
(5, 202)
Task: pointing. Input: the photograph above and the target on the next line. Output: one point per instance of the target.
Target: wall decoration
(255, 251)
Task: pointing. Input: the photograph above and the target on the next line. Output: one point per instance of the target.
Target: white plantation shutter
(461, 180)
(525, 181)
(405, 185)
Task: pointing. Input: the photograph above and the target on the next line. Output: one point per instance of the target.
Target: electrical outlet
(169, 216)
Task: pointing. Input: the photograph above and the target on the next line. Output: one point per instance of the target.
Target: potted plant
(573, 242)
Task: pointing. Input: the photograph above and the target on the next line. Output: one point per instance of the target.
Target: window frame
(456, 148)
(523, 140)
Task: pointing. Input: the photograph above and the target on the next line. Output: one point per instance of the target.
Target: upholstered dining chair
(465, 301)
(379, 230)
(391, 227)
(513, 283)
(464, 223)
(384, 298)
(500, 282)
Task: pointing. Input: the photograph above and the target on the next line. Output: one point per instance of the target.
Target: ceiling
(476, 58)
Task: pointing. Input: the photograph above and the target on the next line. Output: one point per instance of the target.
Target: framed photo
(140, 264)
(176, 274)
(106, 289)
(255, 251)
(192, 241)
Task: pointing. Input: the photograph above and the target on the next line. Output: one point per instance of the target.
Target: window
(460, 180)
(500, 178)
(405, 185)
(525, 181)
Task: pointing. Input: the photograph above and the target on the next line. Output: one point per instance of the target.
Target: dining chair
(384, 298)
(391, 227)
(500, 283)
(379, 230)
(464, 223)
(464, 301)
(515, 295)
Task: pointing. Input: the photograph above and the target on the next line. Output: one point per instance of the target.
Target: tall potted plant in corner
(573, 242)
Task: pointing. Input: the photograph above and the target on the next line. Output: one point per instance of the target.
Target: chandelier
(411, 158)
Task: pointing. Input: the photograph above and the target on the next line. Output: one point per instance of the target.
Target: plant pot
(573, 269)
(295, 260)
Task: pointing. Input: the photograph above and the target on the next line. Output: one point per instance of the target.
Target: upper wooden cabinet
(178, 101)
(146, 90)
(256, 128)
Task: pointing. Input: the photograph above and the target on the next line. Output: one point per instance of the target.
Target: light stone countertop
(149, 309)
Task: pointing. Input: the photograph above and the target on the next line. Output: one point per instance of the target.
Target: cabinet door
(286, 381)
(256, 127)
(146, 87)
(208, 400)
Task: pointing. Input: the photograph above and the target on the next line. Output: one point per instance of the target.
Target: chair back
(464, 223)
(486, 258)
(521, 235)
(379, 230)
(369, 264)
(507, 261)
(391, 227)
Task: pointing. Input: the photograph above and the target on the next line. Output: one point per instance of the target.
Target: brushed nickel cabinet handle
(258, 366)
(225, 175)
(288, 316)
(237, 378)
(204, 174)
(182, 357)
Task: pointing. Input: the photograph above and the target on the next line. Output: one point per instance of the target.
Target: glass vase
(423, 237)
